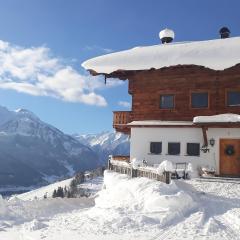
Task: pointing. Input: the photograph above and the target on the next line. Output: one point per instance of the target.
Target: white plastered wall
(141, 138)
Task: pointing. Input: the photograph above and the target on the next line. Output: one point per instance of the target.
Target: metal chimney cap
(166, 33)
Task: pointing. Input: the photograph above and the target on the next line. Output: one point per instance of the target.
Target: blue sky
(64, 33)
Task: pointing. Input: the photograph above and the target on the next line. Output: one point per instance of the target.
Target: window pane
(173, 148)
(156, 147)
(167, 101)
(199, 100)
(193, 149)
(233, 98)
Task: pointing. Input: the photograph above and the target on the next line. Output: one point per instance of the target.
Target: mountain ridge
(106, 143)
(32, 152)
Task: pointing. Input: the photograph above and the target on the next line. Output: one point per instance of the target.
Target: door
(230, 157)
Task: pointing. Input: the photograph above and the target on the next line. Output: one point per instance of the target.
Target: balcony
(121, 158)
(120, 121)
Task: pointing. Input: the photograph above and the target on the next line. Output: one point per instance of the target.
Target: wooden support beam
(204, 131)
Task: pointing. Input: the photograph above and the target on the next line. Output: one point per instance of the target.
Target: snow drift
(155, 202)
(129, 209)
(16, 211)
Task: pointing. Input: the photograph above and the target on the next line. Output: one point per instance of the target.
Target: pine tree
(80, 177)
(60, 192)
(54, 195)
(69, 194)
(65, 191)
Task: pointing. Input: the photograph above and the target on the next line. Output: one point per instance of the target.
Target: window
(193, 149)
(167, 101)
(173, 148)
(199, 100)
(156, 147)
(233, 98)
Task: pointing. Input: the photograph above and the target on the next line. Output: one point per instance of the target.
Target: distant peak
(22, 110)
(25, 112)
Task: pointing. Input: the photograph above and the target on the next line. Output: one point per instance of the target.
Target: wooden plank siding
(147, 86)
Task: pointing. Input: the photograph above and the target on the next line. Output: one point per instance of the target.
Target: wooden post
(167, 177)
(204, 131)
(109, 163)
(133, 173)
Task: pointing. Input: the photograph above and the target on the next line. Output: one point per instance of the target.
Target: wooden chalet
(185, 101)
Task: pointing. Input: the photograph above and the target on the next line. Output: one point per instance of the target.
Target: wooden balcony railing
(120, 119)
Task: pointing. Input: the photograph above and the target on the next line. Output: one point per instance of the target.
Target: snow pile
(165, 166)
(136, 163)
(120, 163)
(34, 225)
(216, 54)
(16, 211)
(220, 118)
(152, 202)
(129, 209)
(159, 123)
(192, 172)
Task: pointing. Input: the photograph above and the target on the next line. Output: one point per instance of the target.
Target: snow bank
(220, 118)
(165, 166)
(216, 54)
(129, 209)
(136, 163)
(34, 225)
(17, 211)
(153, 202)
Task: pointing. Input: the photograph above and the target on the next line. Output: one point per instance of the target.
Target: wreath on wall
(229, 150)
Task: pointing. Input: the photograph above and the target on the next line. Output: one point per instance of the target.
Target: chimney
(166, 35)
(224, 32)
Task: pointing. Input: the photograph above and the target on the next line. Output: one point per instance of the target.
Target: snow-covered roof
(221, 118)
(216, 54)
(159, 123)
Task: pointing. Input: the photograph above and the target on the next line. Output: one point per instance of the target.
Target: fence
(126, 168)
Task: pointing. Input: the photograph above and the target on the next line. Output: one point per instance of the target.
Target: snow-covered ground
(46, 190)
(126, 208)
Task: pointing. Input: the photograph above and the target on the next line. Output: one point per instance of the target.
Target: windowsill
(173, 154)
(186, 155)
(237, 105)
(154, 153)
(197, 108)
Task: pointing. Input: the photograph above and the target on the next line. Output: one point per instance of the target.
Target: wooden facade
(146, 87)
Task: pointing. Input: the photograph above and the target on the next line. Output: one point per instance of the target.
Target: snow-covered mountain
(106, 143)
(32, 152)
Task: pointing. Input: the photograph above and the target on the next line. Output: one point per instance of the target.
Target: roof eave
(125, 74)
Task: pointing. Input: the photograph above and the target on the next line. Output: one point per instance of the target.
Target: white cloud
(98, 48)
(34, 71)
(124, 104)
(112, 82)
